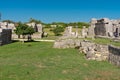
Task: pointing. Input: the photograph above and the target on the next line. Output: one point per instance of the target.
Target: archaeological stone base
(91, 50)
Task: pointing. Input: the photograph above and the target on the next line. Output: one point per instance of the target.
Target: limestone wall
(5, 36)
(66, 43)
(114, 56)
(92, 50)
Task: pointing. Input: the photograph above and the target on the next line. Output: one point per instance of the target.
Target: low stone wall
(35, 35)
(114, 56)
(5, 36)
(91, 50)
(66, 43)
(94, 51)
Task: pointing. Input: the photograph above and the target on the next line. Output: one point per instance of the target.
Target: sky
(59, 10)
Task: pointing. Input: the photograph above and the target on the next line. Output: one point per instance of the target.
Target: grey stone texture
(94, 51)
(66, 43)
(38, 28)
(68, 33)
(114, 56)
(91, 50)
(6, 25)
(5, 36)
(102, 28)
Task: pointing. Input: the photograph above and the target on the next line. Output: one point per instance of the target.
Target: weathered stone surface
(67, 43)
(103, 27)
(91, 50)
(114, 56)
(5, 36)
(94, 51)
(6, 25)
(68, 33)
(84, 32)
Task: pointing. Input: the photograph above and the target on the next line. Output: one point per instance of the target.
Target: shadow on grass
(31, 41)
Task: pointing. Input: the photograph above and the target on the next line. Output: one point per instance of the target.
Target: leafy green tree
(9, 21)
(23, 29)
(57, 31)
(29, 31)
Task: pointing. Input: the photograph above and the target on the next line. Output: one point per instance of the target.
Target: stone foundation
(92, 50)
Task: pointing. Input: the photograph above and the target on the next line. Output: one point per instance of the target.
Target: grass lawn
(39, 61)
(104, 41)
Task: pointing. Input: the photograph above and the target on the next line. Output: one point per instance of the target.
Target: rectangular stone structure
(5, 36)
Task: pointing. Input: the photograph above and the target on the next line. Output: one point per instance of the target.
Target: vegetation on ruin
(23, 29)
(39, 61)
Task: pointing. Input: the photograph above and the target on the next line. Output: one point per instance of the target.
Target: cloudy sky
(59, 10)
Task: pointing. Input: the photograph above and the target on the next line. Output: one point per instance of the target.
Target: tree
(57, 31)
(29, 32)
(34, 20)
(23, 29)
(8, 21)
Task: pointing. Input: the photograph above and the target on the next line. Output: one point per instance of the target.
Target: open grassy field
(39, 61)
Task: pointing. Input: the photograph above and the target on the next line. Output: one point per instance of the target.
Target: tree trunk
(29, 37)
(23, 36)
(18, 36)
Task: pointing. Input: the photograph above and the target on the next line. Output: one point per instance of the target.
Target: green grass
(104, 41)
(39, 61)
(50, 38)
(50, 33)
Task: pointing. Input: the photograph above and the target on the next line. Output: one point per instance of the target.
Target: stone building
(5, 36)
(38, 28)
(69, 33)
(6, 25)
(104, 27)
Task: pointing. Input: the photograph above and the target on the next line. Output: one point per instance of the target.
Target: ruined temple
(104, 27)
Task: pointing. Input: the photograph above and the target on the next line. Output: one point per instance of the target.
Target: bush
(57, 31)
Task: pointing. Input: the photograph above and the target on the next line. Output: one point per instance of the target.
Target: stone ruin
(98, 28)
(6, 25)
(5, 36)
(38, 28)
(92, 51)
(68, 33)
(102, 28)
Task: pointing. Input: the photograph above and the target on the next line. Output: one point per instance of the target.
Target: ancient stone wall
(114, 56)
(66, 43)
(91, 50)
(94, 51)
(5, 36)
(100, 29)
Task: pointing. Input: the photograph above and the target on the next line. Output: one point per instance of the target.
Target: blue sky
(59, 10)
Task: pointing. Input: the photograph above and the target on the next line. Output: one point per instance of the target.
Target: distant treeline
(53, 24)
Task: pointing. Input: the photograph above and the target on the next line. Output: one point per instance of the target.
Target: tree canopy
(34, 20)
(57, 30)
(9, 21)
(23, 29)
